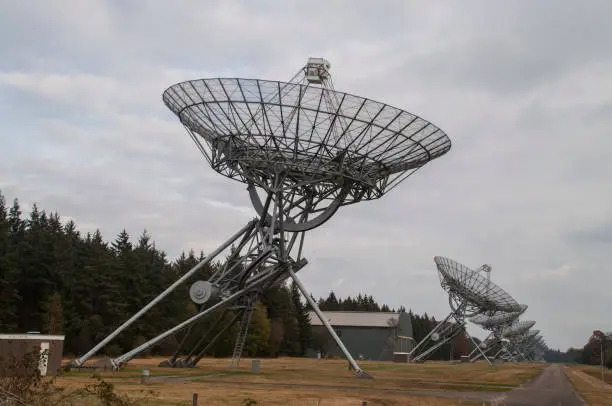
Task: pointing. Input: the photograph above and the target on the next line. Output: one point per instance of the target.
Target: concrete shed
(367, 335)
(18, 345)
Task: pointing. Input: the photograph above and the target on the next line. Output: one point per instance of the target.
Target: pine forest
(57, 280)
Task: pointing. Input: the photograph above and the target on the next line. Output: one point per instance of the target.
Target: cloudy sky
(523, 88)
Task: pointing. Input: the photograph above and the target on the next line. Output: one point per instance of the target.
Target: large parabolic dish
(304, 150)
(472, 289)
(254, 124)
(497, 319)
(494, 343)
(517, 329)
(470, 293)
(333, 148)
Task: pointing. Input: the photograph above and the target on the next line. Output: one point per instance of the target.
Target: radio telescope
(528, 345)
(469, 294)
(303, 150)
(534, 348)
(518, 328)
(524, 342)
(494, 343)
(515, 334)
(528, 342)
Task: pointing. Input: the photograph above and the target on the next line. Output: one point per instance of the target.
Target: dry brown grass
(310, 382)
(180, 394)
(588, 386)
(595, 372)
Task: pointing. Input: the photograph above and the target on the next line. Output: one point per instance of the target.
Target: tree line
(362, 303)
(56, 280)
(589, 354)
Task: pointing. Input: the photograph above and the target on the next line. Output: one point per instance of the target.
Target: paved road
(550, 388)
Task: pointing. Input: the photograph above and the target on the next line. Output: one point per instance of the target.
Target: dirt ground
(303, 381)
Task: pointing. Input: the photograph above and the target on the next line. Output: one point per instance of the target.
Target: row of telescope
(475, 298)
(509, 339)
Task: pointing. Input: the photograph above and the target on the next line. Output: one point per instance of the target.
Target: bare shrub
(21, 384)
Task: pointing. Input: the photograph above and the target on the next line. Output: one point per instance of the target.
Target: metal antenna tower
(496, 323)
(244, 328)
(303, 150)
(469, 294)
(516, 334)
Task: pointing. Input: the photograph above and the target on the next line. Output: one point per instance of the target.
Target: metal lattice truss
(517, 329)
(524, 344)
(499, 319)
(303, 150)
(470, 294)
(514, 336)
(495, 344)
(528, 346)
(472, 290)
(319, 136)
(510, 339)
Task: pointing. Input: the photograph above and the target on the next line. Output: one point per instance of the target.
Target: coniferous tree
(56, 279)
(9, 296)
(302, 318)
(34, 266)
(259, 332)
(53, 316)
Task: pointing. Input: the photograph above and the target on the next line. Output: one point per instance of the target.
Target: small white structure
(403, 345)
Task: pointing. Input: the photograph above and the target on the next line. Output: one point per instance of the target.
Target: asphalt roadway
(550, 388)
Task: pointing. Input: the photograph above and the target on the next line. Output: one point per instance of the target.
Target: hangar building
(367, 335)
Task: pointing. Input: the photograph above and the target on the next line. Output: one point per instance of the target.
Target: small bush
(105, 392)
(21, 381)
(249, 402)
(22, 384)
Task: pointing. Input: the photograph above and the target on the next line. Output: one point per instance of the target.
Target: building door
(44, 357)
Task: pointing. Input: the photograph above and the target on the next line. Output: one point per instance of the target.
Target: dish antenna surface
(496, 323)
(470, 293)
(498, 318)
(518, 328)
(303, 150)
(518, 337)
(529, 345)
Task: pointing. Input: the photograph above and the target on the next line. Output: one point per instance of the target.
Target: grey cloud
(123, 201)
(563, 305)
(528, 169)
(596, 234)
(526, 44)
(217, 34)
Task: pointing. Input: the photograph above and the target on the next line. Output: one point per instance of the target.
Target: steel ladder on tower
(244, 328)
